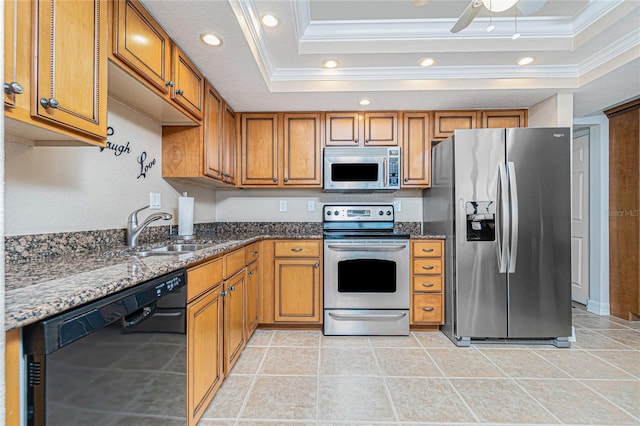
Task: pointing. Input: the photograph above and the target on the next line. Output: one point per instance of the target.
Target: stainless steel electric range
(366, 271)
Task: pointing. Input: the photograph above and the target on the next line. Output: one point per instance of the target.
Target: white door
(580, 218)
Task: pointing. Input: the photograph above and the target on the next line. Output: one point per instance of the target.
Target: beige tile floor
(302, 377)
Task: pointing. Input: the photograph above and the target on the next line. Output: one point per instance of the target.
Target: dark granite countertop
(42, 287)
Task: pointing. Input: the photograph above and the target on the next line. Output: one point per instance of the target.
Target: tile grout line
(585, 383)
(613, 365)
(447, 378)
(245, 401)
(318, 379)
(614, 340)
(384, 382)
(521, 387)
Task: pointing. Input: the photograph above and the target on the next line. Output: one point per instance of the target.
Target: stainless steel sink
(172, 249)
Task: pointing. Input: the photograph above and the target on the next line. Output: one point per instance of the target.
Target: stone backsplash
(30, 247)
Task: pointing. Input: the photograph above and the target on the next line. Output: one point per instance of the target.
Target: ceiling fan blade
(467, 16)
(527, 7)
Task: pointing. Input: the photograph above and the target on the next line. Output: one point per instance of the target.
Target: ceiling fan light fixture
(499, 5)
(515, 36)
(490, 28)
(210, 39)
(426, 62)
(330, 63)
(270, 21)
(525, 61)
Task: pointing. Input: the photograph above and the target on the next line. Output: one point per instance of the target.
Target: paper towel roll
(185, 215)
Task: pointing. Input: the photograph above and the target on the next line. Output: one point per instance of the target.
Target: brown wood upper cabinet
(188, 83)
(280, 150)
(416, 150)
(140, 42)
(142, 48)
(346, 128)
(445, 122)
(65, 91)
(500, 119)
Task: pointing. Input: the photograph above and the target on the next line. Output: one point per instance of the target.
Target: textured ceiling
(590, 48)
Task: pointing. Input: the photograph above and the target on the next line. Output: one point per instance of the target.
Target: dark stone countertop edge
(29, 304)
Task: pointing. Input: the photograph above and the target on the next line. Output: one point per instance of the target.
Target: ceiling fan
(524, 6)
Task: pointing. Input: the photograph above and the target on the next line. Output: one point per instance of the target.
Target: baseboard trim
(598, 308)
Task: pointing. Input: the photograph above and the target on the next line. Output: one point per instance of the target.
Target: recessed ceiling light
(330, 63)
(210, 39)
(426, 62)
(270, 21)
(365, 102)
(526, 60)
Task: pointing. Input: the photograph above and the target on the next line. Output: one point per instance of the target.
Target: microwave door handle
(384, 172)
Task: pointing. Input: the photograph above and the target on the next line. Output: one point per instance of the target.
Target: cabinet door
(252, 297)
(142, 44)
(302, 149)
(214, 112)
(416, 150)
(503, 119)
(259, 149)
(71, 64)
(445, 122)
(342, 129)
(204, 352)
(234, 319)
(17, 54)
(229, 145)
(381, 128)
(188, 82)
(297, 290)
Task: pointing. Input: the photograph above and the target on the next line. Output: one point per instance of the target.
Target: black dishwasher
(120, 360)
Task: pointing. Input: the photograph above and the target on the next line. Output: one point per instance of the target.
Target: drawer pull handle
(427, 285)
(429, 309)
(428, 250)
(296, 249)
(428, 267)
(254, 252)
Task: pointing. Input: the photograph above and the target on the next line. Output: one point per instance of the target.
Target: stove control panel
(358, 213)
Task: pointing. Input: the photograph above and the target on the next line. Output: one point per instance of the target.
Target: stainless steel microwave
(365, 169)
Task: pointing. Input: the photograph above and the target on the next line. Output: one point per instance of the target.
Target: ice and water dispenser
(481, 220)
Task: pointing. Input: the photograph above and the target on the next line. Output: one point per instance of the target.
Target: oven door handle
(363, 247)
(365, 317)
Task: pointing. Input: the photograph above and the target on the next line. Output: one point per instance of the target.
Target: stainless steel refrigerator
(502, 197)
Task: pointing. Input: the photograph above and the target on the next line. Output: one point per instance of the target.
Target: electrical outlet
(397, 205)
(283, 205)
(311, 205)
(154, 200)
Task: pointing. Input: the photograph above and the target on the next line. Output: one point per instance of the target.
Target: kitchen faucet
(133, 230)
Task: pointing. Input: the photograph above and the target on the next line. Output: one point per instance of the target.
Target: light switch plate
(283, 205)
(397, 205)
(154, 200)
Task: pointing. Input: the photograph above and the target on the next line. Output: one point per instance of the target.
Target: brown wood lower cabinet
(234, 338)
(427, 294)
(252, 298)
(297, 292)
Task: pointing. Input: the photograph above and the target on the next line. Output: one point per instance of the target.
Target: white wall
(263, 205)
(598, 211)
(79, 188)
(555, 111)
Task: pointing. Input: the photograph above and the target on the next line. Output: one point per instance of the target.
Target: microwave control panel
(394, 169)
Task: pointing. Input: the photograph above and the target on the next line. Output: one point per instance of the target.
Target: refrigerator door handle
(513, 193)
(502, 227)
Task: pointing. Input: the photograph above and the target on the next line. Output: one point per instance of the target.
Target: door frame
(579, 133)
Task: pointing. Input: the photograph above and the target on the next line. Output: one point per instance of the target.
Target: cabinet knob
(13, 88)
(179, 92)
(254, 252)
(224, 293)
(251, 272)
(49, 103)
(355, 141)
(233, 288)
(406, 179)
(168, 83)
(286, 179)
(428, 309)
(275, 179)
(317, 265)
(366, 141)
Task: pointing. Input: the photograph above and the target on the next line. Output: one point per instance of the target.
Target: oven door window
(354, 172)
(366, 276)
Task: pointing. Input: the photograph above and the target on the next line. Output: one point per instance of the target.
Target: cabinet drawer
(427, 266)
(203, 277)
(427, 249)
(297, 248)
(252, 252)
(427, 308)
(233, 262)
(427, 283)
